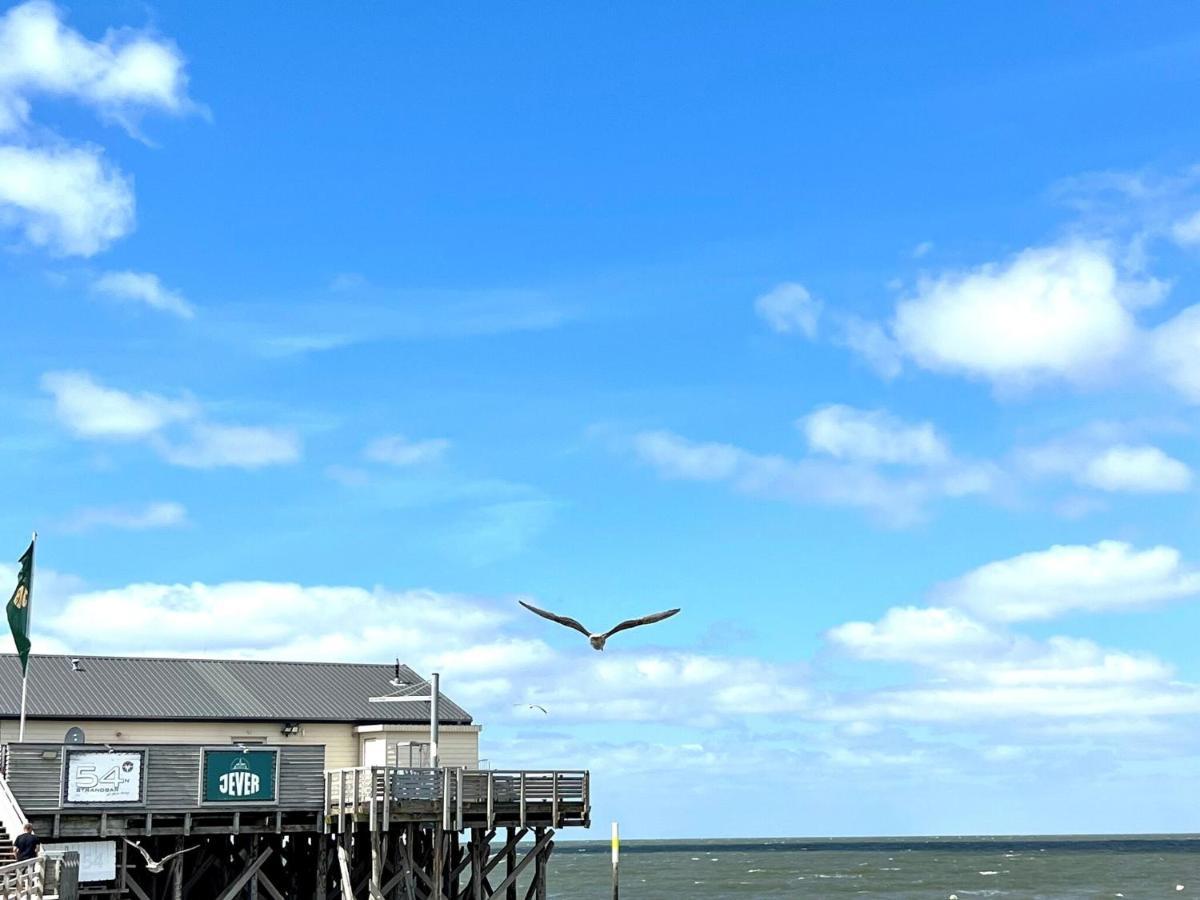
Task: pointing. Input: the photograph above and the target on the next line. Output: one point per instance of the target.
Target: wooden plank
(458, 806)
(387, 797)
(341, 814)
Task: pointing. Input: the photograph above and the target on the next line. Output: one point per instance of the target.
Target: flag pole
(29, 614)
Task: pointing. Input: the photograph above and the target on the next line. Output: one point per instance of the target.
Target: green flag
(18, 608)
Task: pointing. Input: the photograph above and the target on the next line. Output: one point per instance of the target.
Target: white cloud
(1175, 352)
(144, 287)
(91, 410)
(912, 634)
(1186, 231)
(176, 429)
(127, 71)
(1109, 575)
(210, 446)
(984, 673)
(491, 664)
(1050, 312)
(896, 499)
(844, 432)
(877, 348)
(789, 308)
(1138, 469)
(397, 450)
(66, 200)
(152, 515)
(1128, 468)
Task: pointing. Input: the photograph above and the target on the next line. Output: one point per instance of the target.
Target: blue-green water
(1022, 868)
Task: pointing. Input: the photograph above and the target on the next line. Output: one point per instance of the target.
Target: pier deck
(455, 799)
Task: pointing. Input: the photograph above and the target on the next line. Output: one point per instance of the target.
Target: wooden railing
(23, 880)
(379, 792)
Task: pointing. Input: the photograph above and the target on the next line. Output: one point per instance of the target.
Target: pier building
(275, 779)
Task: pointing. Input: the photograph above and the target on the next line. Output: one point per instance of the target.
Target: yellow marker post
(616, 859)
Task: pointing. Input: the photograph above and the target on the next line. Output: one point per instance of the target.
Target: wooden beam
(133, 886)
(250, 872)
(205, 865)
(510, 880)
(344, 871)
(514, 837)
(269, 887)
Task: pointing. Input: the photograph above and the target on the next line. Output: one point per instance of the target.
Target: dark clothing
(27, 845)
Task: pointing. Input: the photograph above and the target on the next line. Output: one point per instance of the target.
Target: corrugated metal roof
(131, 687)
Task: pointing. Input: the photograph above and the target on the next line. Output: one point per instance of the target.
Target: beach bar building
(275, 779)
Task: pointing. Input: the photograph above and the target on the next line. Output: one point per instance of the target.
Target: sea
(1030, 868)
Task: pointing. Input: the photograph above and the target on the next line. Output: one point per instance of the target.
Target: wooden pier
(370, 832)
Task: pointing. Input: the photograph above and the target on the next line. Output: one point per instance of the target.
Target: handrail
(23, 880)
(377, 792)
(12, 817)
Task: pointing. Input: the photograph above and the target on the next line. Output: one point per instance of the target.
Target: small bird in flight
(598, 640)
(152, 866)
(536, 706)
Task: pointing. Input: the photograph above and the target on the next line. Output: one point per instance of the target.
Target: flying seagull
(536, 706)
(153, 867)
(598, 640)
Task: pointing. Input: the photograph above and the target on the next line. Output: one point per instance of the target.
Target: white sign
(97, 859)
(104, 777)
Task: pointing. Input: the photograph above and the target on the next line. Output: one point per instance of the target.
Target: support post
(616, 861)
(177, 871)
(510, 865)
(539, 865)
(322, 845)
(376, 886)
(435, 697)
(439, 863)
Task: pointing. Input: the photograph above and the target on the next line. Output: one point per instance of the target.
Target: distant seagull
(598, 640)
(155, 868)
(534, 706)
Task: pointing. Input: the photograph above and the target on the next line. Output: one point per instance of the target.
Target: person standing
(27, 844)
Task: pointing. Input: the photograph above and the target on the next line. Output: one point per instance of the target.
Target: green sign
(239, 776)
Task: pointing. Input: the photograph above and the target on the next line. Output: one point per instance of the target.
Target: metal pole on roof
(435, 696)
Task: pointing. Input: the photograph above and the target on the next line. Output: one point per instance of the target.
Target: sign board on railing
(97, 859)
(240, 775)
(99, 776)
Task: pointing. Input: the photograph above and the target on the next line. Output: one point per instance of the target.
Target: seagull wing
(542, 708)
(135, 844)
(645, 620)
(553, 617)
(179, 853)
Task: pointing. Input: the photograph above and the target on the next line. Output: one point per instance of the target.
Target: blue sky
(863, 334)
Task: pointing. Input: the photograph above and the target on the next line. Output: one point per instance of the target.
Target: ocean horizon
(1031, 867)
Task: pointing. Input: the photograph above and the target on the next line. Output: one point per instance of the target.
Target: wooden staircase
(8, 853)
